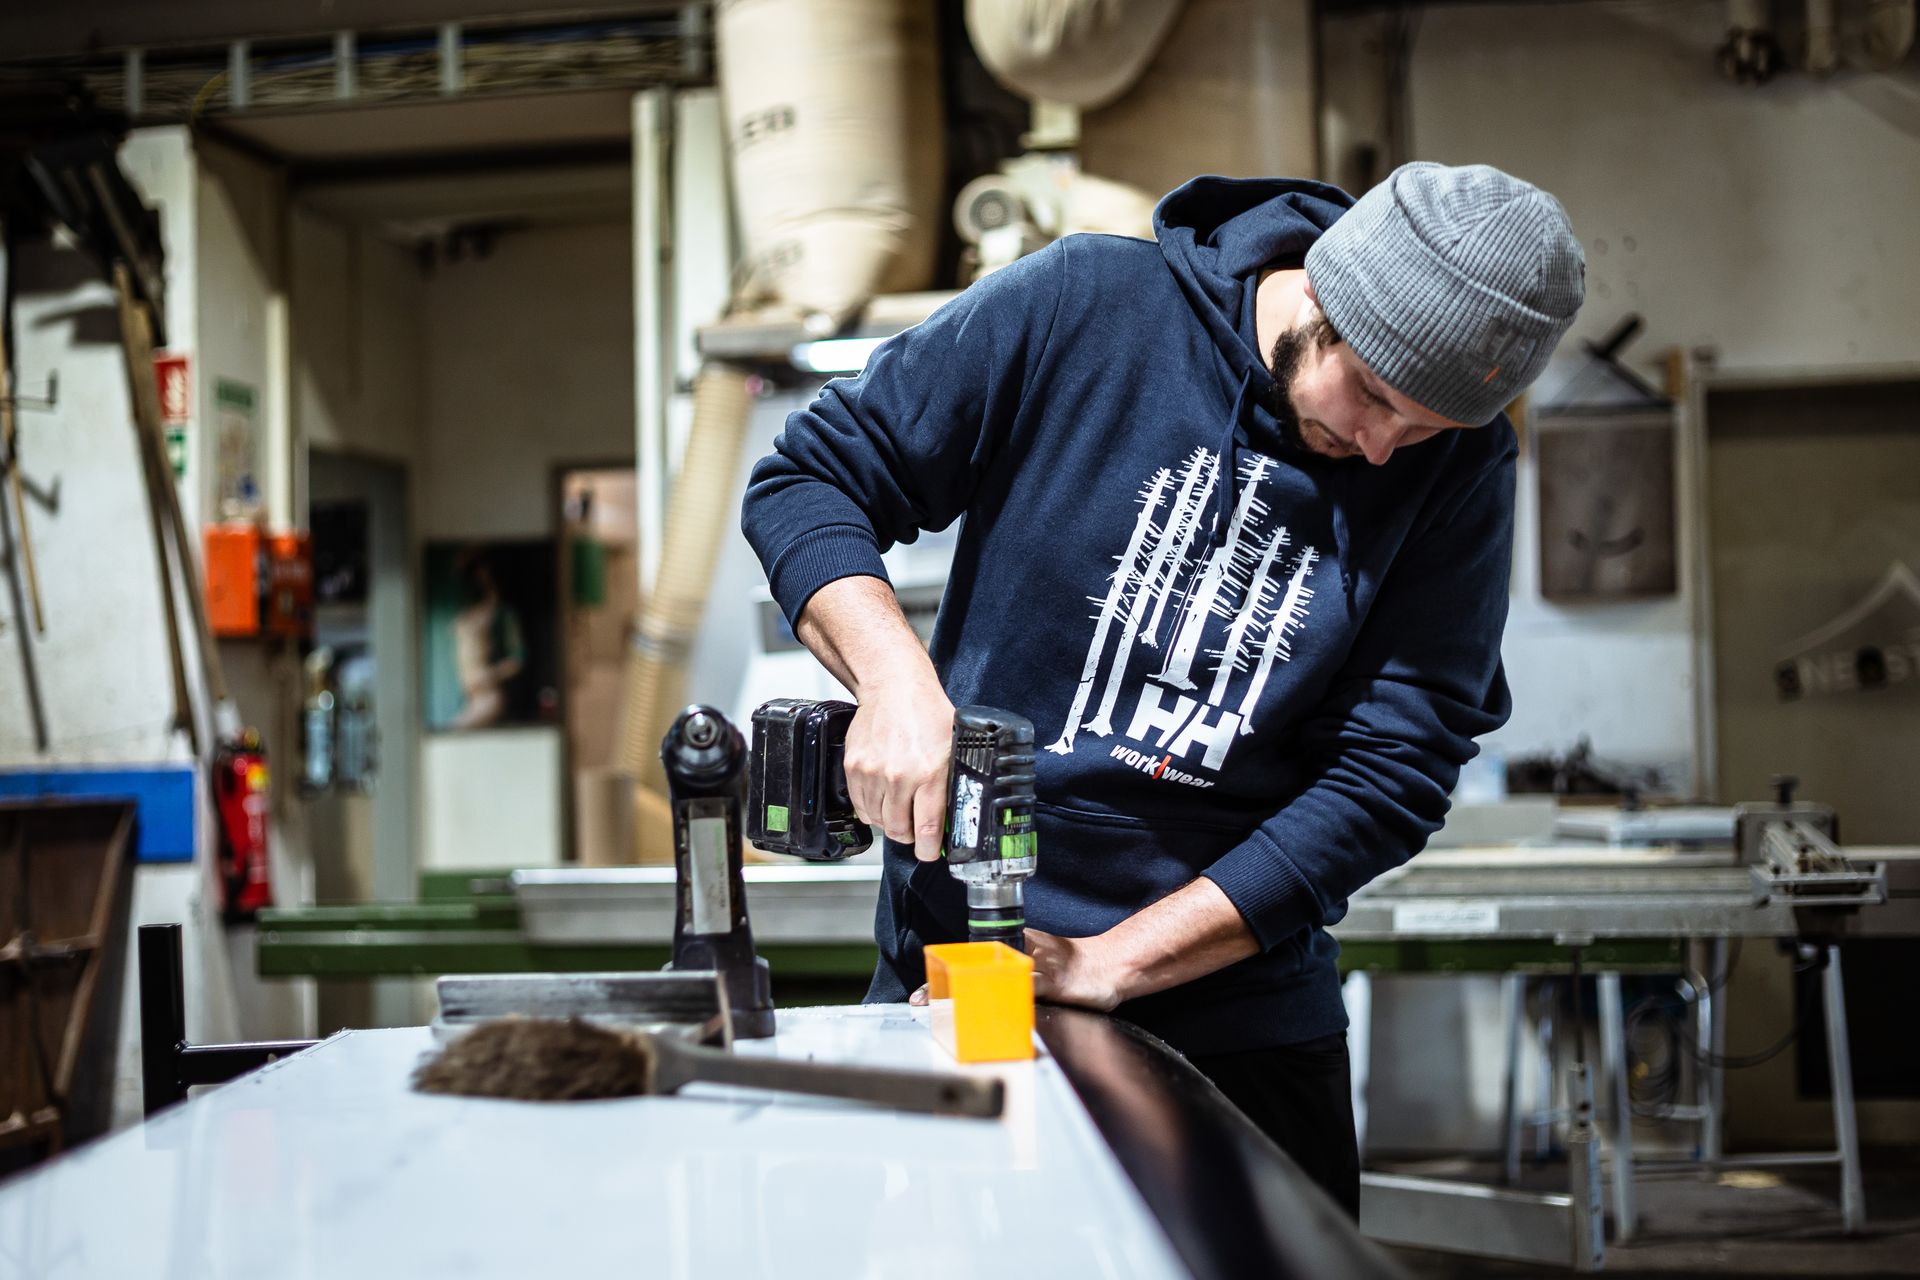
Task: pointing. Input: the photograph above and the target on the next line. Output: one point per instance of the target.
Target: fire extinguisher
(240, 794)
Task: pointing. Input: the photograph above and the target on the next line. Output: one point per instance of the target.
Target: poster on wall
(492, 651)
(1606, 507)
(236, 438)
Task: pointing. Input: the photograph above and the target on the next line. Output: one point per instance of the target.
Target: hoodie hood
(1218, 235)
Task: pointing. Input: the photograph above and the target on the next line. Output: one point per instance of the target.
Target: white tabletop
(327, 1165)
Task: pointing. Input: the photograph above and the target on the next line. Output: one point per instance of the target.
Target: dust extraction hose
(669, 620)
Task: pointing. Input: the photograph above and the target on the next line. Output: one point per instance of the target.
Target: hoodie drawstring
(1230, 491)
(1342, 483)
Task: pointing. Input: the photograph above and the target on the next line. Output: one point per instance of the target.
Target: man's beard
(1289, 352)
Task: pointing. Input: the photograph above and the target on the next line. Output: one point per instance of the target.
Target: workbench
(813, 925)
(1113, 1159)
(1607, 912)
(1510, 911)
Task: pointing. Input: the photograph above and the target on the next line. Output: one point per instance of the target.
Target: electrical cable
(1654, 1092)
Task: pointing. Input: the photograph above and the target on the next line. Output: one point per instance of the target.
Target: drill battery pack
(797, 782)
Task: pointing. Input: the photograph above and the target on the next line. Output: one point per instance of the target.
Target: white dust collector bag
(1084, 53)
(834, 118)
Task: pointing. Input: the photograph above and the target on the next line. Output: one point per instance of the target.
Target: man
(1238, 516)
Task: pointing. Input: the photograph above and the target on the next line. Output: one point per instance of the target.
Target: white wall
(529, 366)
(1774, 225)
(491, 799)
(102, 665)
(241, 278)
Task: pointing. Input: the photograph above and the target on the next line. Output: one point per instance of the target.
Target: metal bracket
(169, 1066)
(41, 403)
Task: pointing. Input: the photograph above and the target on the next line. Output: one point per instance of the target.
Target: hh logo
(1219, 608)
(1501, 346)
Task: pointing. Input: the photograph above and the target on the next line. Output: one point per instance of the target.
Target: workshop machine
(797, 802)
(1780, 873)
(1791, 852)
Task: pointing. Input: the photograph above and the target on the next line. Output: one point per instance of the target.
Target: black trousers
(1301, 1096)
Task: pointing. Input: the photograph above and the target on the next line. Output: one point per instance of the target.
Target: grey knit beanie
(1452, 284)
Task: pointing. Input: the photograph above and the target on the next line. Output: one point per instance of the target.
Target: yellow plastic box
(981, 994)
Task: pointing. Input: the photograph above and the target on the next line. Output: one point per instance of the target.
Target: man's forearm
(855, 627)
(1188, 934)
(1193, 931)
(897, 745)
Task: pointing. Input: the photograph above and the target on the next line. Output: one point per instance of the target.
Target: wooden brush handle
(928, 1092)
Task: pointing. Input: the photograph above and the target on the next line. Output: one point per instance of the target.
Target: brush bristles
(539, 1060)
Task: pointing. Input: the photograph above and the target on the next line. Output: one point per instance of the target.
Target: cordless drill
(797, 802)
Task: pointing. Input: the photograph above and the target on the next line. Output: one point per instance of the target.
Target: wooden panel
(63, 870)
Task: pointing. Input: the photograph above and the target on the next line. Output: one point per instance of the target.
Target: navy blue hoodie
(1242, 660)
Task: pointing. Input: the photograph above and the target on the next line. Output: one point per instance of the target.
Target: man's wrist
(1186, 935)
(906, 675)
(1117, 963)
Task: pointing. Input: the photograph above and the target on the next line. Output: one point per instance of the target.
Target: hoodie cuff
(1266, 888)
(821, 556)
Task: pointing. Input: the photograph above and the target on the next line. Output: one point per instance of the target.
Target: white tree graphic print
(1252, 582)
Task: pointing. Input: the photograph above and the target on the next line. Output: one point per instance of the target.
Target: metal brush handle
(927, 1092)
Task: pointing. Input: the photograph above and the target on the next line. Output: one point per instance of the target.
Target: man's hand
(897, 753)
(1082, 971)
(1193, 931)
(902, 733)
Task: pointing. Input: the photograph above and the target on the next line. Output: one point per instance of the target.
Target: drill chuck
(996, 906)
(702, 754)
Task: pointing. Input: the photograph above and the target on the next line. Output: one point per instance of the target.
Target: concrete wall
(359, 341)
(1773, 225)
(529, 365)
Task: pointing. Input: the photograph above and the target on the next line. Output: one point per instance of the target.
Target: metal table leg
(1613, 1061)
(1513, 991)
(1585, 1223)
(1713, 1033)
(1853, 1197)
(1357, 993)
(1542, 1119)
